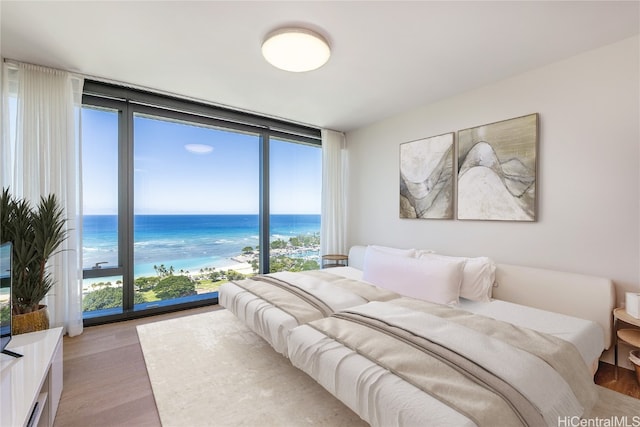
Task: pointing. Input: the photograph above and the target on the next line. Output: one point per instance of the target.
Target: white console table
(31, 385)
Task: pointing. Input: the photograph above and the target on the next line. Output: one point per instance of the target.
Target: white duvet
(372, 392)
(274, 325)
(585, 335)
(330, 363)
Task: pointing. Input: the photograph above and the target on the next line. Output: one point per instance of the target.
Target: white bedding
(274, 325)
(267, 320)
(380, 397)
(585, 335)
(376, 395)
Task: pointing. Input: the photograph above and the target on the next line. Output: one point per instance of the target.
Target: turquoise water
(188, 242)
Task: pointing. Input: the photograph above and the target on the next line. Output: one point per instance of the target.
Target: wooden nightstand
(335, 260)
(630, 336)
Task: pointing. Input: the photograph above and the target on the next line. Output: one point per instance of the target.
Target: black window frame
(127, 102)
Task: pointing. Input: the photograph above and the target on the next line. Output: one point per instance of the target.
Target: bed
(572, 306)
(273, 304)
(570, 311)
(366, 355)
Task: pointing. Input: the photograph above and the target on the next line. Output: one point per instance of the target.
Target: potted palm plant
(36, 233)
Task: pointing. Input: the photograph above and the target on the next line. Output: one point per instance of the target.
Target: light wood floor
(106, 381)
(105, 378)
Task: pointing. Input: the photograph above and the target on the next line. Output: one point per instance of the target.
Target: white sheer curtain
(333, 230)
(41, 155)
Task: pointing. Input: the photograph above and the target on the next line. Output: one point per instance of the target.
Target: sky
(185, 169)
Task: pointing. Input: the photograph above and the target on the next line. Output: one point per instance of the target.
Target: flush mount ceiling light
(295, 49)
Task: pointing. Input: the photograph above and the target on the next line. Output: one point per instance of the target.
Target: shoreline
(227, 264)
(240, 263)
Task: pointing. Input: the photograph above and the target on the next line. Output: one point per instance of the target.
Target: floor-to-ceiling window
(295, 177)
(100, 247)
(179, 197)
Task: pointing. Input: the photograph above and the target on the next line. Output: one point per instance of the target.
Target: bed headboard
(356, 256)
(587, 297)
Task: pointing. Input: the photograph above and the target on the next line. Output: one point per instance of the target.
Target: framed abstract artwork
(426, 178)
(497, 170)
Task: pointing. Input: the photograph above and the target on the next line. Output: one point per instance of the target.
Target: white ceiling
(388, 56)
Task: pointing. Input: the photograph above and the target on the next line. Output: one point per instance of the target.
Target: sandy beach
(240, 267)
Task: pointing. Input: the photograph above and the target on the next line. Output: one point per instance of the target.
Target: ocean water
(188, 242)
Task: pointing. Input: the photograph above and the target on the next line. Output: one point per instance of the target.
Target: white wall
(588, 169)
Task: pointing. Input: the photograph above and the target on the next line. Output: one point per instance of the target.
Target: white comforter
(274, 323)
(585, 335)
(382, 398)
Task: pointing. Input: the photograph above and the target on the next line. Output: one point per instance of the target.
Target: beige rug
(210, 370)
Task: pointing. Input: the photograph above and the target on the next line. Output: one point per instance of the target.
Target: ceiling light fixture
(295, 49)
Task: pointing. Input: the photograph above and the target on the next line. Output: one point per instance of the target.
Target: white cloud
(198, 148)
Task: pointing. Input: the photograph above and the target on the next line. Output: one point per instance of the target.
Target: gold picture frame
(426, 177)
(497, 170)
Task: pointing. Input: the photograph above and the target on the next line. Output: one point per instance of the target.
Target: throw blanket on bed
(311, 295)
(492, 372)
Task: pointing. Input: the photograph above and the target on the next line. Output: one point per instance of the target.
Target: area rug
(210, 370)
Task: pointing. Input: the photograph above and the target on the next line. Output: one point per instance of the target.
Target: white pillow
(394, 251)
(435, 280)
(478, 276)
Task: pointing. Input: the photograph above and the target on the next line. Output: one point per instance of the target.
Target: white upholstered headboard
(587, 297)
